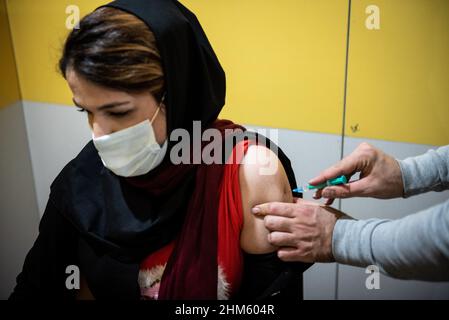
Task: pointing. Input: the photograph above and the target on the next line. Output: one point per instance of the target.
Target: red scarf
(194, 258)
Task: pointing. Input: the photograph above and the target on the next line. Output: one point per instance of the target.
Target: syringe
(331, 182)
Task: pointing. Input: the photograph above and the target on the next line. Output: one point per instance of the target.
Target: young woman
(135, 222)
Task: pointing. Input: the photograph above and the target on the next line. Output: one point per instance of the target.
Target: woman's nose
(99, 129)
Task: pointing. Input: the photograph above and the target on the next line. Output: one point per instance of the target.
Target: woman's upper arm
(262, 179)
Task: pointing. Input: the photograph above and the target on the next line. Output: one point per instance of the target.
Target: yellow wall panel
(38, 31)
(398, 85)
(9, 84)
(284, 62)
(284, 59)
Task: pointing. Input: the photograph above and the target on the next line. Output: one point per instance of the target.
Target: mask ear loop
(158, 108)
(155, 115)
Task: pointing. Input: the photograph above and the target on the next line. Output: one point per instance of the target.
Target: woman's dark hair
(114, 49)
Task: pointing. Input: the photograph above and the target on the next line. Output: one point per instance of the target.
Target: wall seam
(343, 130)
(14, 53)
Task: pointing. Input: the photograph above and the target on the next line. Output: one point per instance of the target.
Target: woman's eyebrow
(105, 106)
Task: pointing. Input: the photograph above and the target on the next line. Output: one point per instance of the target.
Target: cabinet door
(284, 60)
(398, 75)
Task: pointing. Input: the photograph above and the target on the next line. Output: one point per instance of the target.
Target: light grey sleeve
(414, 247)
(427, 172)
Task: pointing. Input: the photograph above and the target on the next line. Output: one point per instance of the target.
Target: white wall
(56, 135)
(19, 215)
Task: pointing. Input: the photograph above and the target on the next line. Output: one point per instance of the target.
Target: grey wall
(19, 214)
(56, 135)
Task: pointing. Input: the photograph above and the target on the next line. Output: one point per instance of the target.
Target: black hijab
(113, 215)
(194, 79)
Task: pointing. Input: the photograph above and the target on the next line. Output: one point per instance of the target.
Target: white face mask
(132, 151)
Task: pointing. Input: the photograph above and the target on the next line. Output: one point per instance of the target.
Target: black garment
(195, 90)
(95, 220)
(194, 79)
(194, 82)
(88, 189)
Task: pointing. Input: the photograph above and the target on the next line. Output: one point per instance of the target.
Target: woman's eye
(119, 114)
(83, 110)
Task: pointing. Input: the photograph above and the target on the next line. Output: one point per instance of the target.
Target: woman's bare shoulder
(262, 179)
